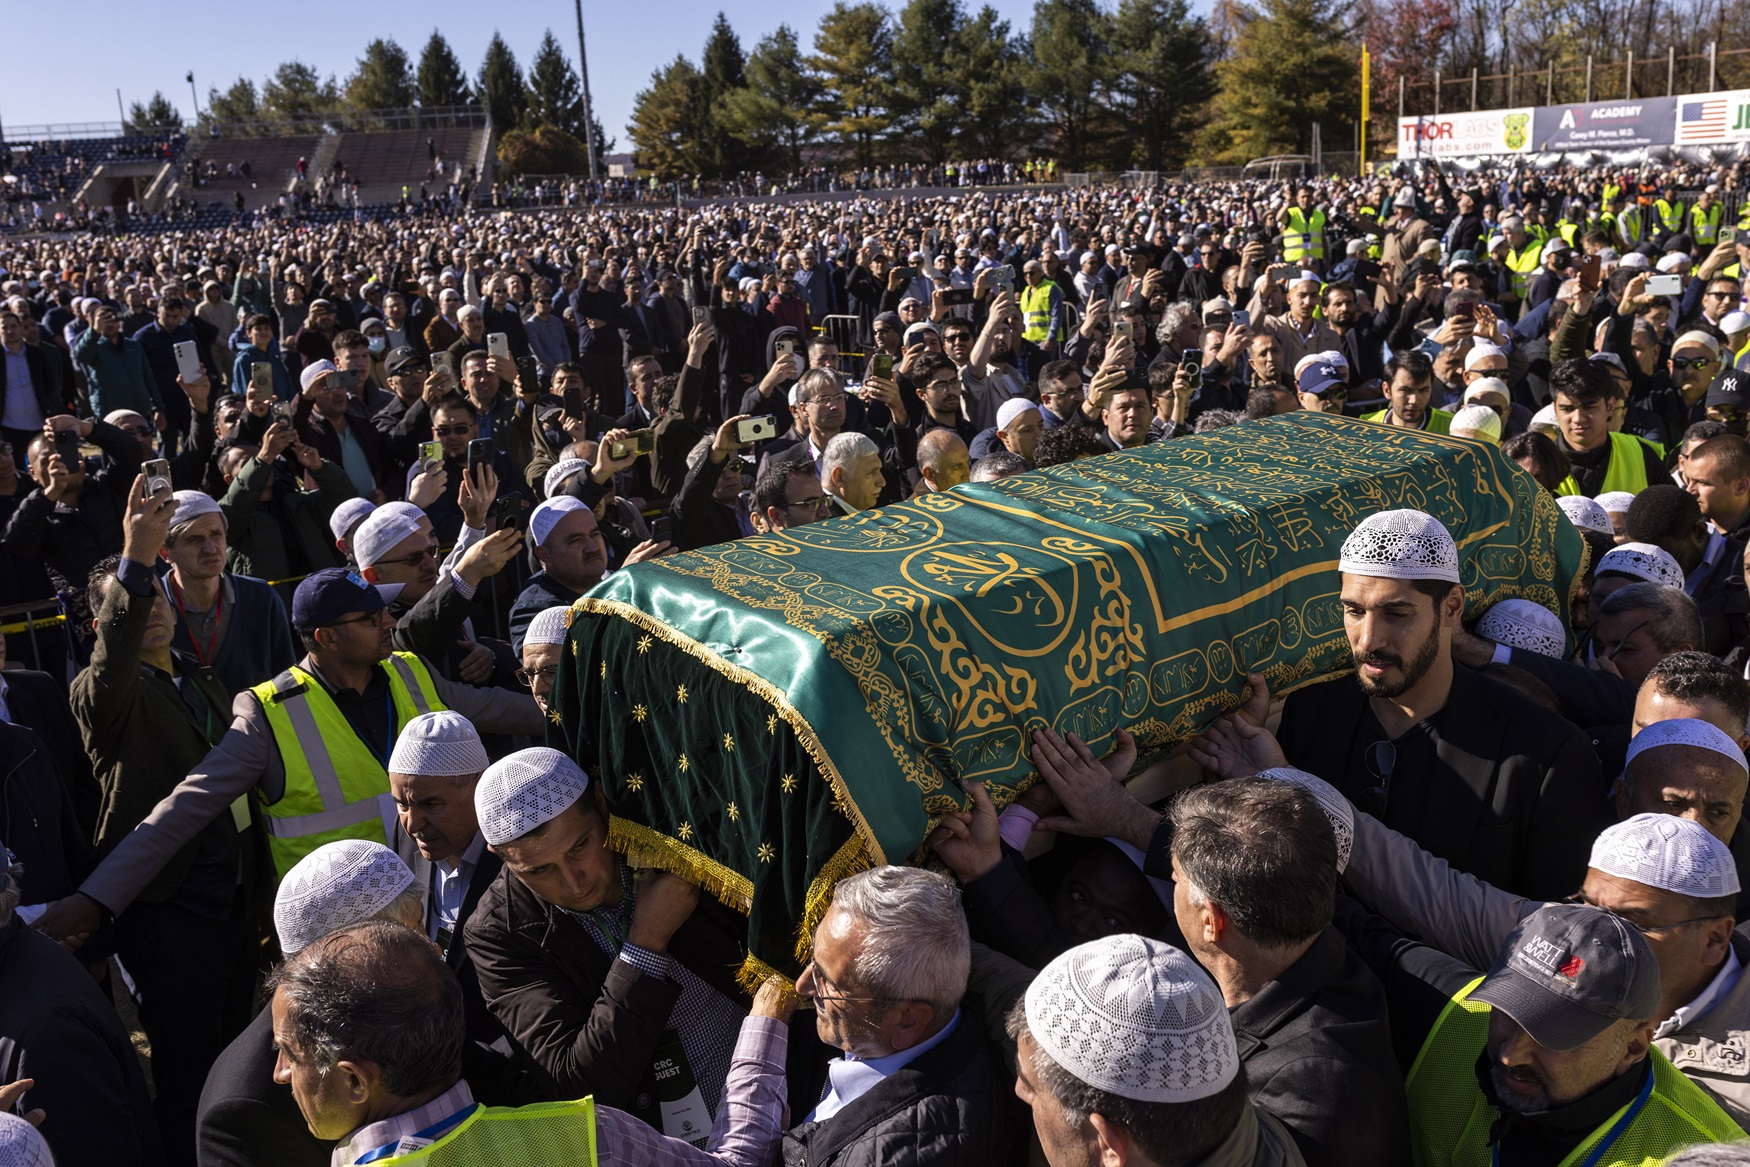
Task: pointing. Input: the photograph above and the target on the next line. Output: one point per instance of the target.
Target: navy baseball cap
(1731, 387)
(1320, 379)
(327, 595)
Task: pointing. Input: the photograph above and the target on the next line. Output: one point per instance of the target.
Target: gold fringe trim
(644, 847)
(846, 861)
(761, 688)
(755, 972)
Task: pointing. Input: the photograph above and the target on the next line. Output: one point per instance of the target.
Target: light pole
(194, 93)
(588, 113)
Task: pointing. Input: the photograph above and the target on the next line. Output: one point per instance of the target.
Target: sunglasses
(452, 431)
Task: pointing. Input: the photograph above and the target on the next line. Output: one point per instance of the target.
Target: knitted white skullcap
(1697, 337)
(1337, 808)
(314, 370)
(1685, 731)
(1011, 409)
(335, 885)
(1331, 356)
(438, 745)
(1484, 385)
(1479, 352)
(1523, 624)
(1544, 422)
(1615, 502)
(348, 515)
(520, 792)
(560, 471)
(1586, 514)
(1644, 561)
(22, 1145)
(380, 532)
(1480, 420)
(1136, 1018)
(1401, 544)
(548, 627)
(546, 516)
(1667, 852)
(191, 505)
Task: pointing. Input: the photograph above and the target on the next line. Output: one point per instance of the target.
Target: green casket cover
(771, 714)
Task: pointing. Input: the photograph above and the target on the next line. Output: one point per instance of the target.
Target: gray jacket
(1466, 918)
(246, 758)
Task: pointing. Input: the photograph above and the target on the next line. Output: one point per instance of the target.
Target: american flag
(1702, 121)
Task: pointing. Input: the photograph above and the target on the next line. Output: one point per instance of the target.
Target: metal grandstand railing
(343, 121)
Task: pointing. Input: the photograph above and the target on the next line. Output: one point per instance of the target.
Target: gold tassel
(644, 847)
(846, 861)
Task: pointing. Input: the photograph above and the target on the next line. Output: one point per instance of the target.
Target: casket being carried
(769, 715)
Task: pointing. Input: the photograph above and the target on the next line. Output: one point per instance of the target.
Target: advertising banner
(1606, 125)
(1461, 135)
(1704, 118)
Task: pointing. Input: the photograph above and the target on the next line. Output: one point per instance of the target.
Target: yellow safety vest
(1570, 232)
(1704, 226)
(336, 786)
(1439, 421)
(1629, 225)
(1670, 214)
(1305, 238)
(1450, 1118)
(1522, 265)
(1627, 469)
(508, 1136)
(1036, 312)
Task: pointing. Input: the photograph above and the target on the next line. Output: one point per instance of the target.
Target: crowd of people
(311, 502)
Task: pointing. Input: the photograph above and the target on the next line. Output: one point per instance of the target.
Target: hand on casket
(1095, 802)
(665, 900)
(1235, 748)
(967, 840)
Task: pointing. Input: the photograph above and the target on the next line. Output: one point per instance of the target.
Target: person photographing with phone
(330, 419)
(74, 516)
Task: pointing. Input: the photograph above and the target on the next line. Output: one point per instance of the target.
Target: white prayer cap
(1643, 561)
(1481, 351)
(314, 370)
(22, 1145)
(1400, 544)
(560, 471)
(348, 515)
(1484, 385)
(1586, 513)
(1305, 277)
(1673, 261)
(1136, 1018)
(191, 505)
(379, 534)
(1697, 337)
(1615, 502)
(335, 885)
(1337, 808)
(1635, 261)
(1733, 322)
(1523, 624)
(117, 416)
(546, 516)
(1479, 420)
(1685, 731)
(549, 626)
(1011, 409)
(438, 745)
(524, 790)
(1667, 852)
(1332, 357)
(1544, 422)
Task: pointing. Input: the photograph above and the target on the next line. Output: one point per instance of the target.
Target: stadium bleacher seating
(55, 170)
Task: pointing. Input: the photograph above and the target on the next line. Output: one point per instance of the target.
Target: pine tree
(853, 54)
(990, 87)
(156, 114)
(722, 71)
(665, 127)
(926, 99)
(1162, 58)
(383, 79)
(501, 85)
(1070, 72)
(554, 95)
(297, 90)
(1292, 65)
(238, 105)
(777, 112)
(440, 79)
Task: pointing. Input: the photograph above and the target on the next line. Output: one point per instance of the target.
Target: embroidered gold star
(604, 663)
(640, 712)
(766, 852)
(729, 743)
(771, 723)
(635, 782)
(644, 642)
(681, 694)
(787, 783)
(733, 811)
(684, 764)
(553, 716)
(685, 831)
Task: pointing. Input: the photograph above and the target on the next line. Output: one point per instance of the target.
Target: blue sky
(59, 69)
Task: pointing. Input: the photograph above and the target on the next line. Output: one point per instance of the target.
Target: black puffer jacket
(953, 1107)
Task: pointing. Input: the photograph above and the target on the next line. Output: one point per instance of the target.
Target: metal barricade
(847, 333)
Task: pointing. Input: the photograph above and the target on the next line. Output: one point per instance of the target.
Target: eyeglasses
(1579, 899)
(430, 552)
(452, 431)
(957, 338)
(813, 969)
(1726, 295)
(828, 399)
(1691, 362)
(376, 617)
(545, 672)
(942, 383)
(818, 502)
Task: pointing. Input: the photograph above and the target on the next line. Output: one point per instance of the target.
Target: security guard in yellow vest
(381, 1073)
(1551, 1053)
(1670, 212)
(1524, 254)
(1037, 309)
(1303, 231)
(1704, 218)
(310, 745)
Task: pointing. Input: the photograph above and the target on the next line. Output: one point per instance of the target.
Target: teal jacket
(117, 374)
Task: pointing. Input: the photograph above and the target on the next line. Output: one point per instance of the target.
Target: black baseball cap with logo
(1571, 971)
